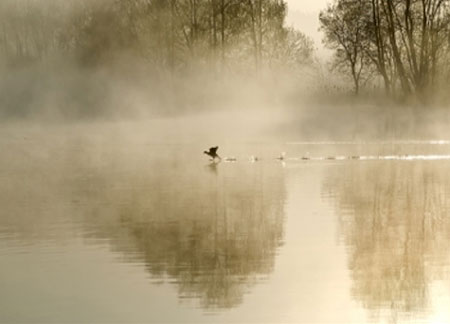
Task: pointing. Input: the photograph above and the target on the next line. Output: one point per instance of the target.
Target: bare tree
(343, 25)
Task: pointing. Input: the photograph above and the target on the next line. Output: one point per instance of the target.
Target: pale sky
(307, 6)
(304, 15)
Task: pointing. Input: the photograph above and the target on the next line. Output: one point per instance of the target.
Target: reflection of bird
(213, 153)
(212, 167)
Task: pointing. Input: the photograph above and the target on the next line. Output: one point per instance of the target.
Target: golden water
(96, 226)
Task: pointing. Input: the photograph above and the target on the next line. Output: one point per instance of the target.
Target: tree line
(168, 35)
(403, 44)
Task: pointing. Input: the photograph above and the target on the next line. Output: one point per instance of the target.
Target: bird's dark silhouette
(282, 156)
(213, 153)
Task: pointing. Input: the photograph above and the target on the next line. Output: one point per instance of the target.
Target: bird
(254, 158)
(282, 156)
(213, 153)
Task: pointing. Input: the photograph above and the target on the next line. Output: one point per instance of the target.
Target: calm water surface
(96, 226)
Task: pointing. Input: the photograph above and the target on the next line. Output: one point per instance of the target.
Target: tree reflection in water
(393, 217)
(212, 230)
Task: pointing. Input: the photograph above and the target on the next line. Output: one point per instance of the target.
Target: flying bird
(213, 153)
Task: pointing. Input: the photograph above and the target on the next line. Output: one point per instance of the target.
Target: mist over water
(324, 206)
(116, 222)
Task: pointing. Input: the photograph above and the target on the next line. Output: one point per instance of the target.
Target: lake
(130, 222)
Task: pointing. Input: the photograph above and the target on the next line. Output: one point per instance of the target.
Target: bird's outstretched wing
(213, 150)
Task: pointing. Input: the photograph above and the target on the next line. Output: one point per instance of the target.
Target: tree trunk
(254, 34)
(222, 31)
(381, 48)
(260, 35)
(389, 8)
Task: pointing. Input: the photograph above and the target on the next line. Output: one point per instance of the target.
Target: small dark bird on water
(282, 156)
(213, 153)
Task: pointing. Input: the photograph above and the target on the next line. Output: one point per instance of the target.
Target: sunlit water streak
(396, 142)
(373, 158)
(430, 157)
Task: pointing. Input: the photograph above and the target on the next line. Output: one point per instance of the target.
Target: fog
(81, 65)
(162, 60)
(331, 119)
